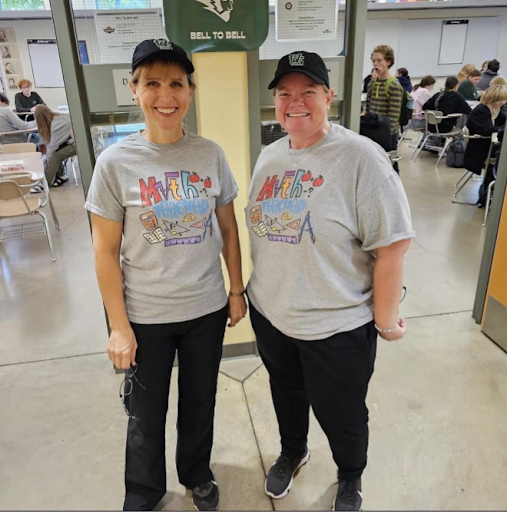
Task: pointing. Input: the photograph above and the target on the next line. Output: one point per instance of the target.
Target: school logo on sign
(296, 59)
(163, 44)
(222, 8)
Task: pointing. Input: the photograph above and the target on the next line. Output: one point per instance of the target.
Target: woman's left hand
(237, 309)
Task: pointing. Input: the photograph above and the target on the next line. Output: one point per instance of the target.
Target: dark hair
(4, 98)
(451, 83)
(427, 80)
(475, 72)
(403, 71)
(494, 65)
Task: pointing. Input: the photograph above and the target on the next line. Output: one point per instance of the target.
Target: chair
(22, 147)
(17, 201)
(434, 118)
(469, 174)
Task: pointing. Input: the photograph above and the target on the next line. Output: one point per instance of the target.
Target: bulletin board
(46, 66)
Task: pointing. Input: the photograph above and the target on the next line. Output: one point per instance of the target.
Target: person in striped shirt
(385, 93)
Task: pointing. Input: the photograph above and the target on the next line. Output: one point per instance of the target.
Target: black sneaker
(281, 475)
(206, 496)
(349, 495)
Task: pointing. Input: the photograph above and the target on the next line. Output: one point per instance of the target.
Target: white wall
(33, 29)
(391, 18)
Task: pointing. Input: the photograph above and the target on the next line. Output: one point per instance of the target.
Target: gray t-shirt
(166, 196)
(312, 228)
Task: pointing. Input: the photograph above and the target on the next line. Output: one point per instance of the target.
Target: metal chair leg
(446, 145)
(462, 178)
(464, 183)
(53, 213)
(48, 234)
(488, 201)
(418, 149)
(72, 163)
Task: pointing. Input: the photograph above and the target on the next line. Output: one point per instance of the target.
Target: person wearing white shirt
(421, 94)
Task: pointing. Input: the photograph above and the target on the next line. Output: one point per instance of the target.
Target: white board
(46, 66)
(453, 41)
(419, 45)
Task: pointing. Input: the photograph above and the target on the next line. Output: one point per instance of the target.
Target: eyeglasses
(126, 387)
(403, 293)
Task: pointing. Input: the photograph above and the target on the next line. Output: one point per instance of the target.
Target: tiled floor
(438, 399)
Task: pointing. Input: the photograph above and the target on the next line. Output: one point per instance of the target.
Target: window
(22, 5)
(126, 4)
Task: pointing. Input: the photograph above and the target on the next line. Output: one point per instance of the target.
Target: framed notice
(306, 20)
(119, 32)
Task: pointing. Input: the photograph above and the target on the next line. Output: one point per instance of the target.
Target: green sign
(217, 25)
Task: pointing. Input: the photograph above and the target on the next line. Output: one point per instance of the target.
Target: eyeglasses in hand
(126, 387)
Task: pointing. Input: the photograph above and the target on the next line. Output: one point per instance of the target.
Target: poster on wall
(306, 20)
(119, 32)
(10, 58)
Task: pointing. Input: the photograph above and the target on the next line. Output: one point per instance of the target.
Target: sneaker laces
(282, 466)
(347, 491)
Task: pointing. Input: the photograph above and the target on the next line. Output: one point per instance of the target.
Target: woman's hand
(237, 309)
(122, 347)
(400, 331)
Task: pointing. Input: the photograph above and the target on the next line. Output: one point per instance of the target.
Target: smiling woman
(170, 194)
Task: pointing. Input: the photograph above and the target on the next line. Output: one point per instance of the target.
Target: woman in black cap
(170, 194)
(330, 223)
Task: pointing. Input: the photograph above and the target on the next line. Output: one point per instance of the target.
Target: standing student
(421, 94)
(326, 279)
(163, 199)
(385, 92)
(465, 72)
(467, 88)
(404, 79)
(488, 75)
(448, 102)
(27, 100)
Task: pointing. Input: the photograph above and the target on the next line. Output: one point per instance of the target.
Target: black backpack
(456, 154)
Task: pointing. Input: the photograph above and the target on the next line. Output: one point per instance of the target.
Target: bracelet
(392, 329)
(237, 294)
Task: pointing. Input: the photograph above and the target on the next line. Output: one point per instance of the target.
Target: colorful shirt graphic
(166, 197)
(312, 230)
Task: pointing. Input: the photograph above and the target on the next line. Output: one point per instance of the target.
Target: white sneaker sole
(304, 460)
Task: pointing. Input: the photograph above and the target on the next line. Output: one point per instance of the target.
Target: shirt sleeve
(395, 96)
(18, 123)
(104, 196)
(228, 186)
(430, 104)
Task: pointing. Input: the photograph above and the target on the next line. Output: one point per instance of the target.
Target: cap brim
(309, 74)
(170, 56)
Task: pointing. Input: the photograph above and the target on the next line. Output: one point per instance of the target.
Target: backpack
(456, 154)
(407, 102)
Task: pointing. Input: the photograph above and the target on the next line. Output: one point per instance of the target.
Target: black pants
(395, 139)
(332, 376)
(199, 346)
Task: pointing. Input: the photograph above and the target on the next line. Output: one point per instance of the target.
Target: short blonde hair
(24, 83)
(386, 51)
(498, 80)
(494, 94)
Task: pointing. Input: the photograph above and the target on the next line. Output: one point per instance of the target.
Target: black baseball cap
(308, 63)
(161, 48)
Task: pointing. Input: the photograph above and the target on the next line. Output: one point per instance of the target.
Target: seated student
(467, 88)
(448, 102)
(488, 75)
(485, 65)
(465, 72)
(378, 129)
(10, 122)
(421, 94)
(404, 79)
(500, 80)
(27, 100)
(55, 131)
(366, 82)
(484, 120)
